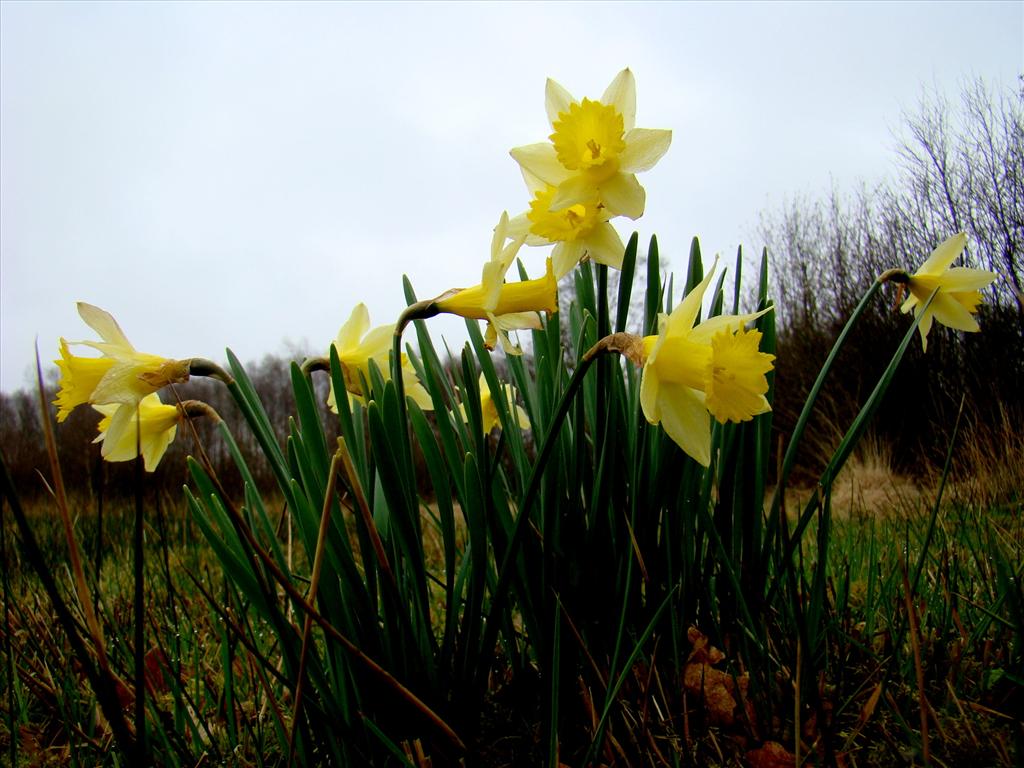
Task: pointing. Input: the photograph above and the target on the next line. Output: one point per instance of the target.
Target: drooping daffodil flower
(691, 373)
(122, 376)
(578, 231)
(489, 409)
(357, 344)
(595, 148)
(959, 290)
(157, 425)
(505, 306)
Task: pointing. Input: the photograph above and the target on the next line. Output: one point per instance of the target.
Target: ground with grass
(952, 652)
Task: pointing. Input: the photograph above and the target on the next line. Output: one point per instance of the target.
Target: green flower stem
(622, 343)
(421, 310)
(812, 397)
(200, 366)
(314, 585)
(311, 364)
(141, 757)
(846, 445)
(331, 631)
(938, 498)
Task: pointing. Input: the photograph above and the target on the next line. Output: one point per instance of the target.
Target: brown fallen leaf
(715, 687)
(771, 754)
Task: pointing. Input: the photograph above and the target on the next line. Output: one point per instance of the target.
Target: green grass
(210, 698)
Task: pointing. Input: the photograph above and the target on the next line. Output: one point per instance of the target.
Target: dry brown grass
(867, 484)
(988, 467)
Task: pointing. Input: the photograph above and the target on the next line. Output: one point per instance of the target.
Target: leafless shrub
(959, 168)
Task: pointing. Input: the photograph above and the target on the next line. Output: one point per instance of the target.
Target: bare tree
(960, 167)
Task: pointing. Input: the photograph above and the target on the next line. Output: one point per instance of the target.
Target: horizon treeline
(959, 167)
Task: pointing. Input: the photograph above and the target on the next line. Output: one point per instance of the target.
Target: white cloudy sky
(234, 174)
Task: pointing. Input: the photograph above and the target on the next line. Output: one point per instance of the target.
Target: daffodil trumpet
(516, 306)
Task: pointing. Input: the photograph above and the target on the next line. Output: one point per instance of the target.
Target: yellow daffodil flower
(157, 425)
(357, 345)
(489, 411)
(578, 231)
(505, 306)
(122, 375)
(713, 367)
(959, 290)
(595, 148)
(79, 377)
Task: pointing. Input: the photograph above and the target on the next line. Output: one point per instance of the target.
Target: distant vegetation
(960, 168)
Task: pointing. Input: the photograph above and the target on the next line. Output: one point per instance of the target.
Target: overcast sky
(241, 175)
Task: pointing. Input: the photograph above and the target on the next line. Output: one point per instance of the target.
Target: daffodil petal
(925, 326)
(621, 94)
(121, 384)
(951, 313)
(556, 100)
(154, 448)
(491, 282)
(686, 420)
(500, 234)
(644, 148)
(514, 321)
(416, 391)
(943, 255)
(704, 332)
(605, 246)
(105, 325)
(960, 279)
(541, 160)
(649, 393)
(119, 429)
(533, 183)
(498, 333)
(376, 345)
(519, 228)
(508, 253)
(354, 328)
(565, 256)
(623, 196)
(575, 189)
(683, 316)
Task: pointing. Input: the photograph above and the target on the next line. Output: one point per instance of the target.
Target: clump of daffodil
(157, 425)
(595, 149)
(691, 373)
(489, 410)
(578, 231)
(121, 376)
(959, 289)
(505, 306)
(357, 345)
